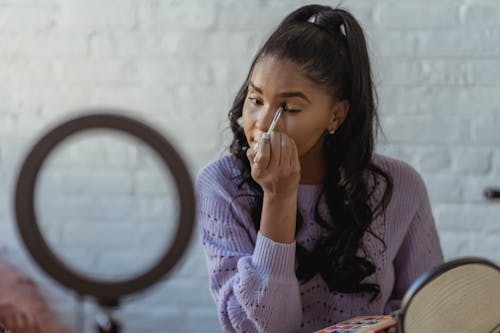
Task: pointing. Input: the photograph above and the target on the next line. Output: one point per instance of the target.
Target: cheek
(305, 134)
(246, 121)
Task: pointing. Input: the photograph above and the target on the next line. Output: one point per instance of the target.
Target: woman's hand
(276, 168)
(275, 164)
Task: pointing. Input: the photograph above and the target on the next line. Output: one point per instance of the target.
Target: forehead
(276, 74)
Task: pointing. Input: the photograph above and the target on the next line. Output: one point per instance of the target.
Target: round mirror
(105, 205)
(460, 296)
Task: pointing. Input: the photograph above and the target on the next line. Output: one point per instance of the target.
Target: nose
(265, 118)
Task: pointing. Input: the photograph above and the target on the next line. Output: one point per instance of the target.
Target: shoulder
(223, 174)
(223, 169)
(407, 182)
(221, 197)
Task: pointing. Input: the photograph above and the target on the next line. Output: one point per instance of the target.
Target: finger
(285, 151)
(294, 154)
(255, 150)
(251, 155)
(275, 149)
(263, 152)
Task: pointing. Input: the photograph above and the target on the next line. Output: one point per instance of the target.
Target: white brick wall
(177, 65)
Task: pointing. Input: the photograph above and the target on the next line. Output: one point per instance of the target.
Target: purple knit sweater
(252, 278)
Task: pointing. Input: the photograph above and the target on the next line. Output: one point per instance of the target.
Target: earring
(332, 131)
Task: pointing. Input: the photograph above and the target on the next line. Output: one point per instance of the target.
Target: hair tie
(314, 20)
(342, 29)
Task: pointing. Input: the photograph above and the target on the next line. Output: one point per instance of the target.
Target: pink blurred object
(22, 307)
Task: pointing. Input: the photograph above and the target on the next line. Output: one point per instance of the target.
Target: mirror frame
(428, 277)
(107, 293)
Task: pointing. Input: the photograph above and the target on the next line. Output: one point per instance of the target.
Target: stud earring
(332, 131)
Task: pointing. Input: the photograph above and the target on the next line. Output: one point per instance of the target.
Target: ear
(338, 114)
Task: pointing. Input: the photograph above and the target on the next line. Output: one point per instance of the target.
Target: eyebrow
(283, 94)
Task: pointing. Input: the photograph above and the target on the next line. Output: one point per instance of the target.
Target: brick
(449, 72)
(443, 100)
(241, 43)
(171, 43)
(390, 43)
(91, 71)
(28, 44)
(51, 101)
(155, 180)
(479, 14)
(13, 152)
(471, 160)
(402, 73)
(184, 128)
(473, 219)
(485, 72)
(444, 188)
(87, 208)
(212, 101)
(425, 129)
(136, 43)
(138, 100)
(28, 71)
(425, 159)
(106, 181)
(476, 185)
(15, 17)
(231, 16)
(433, 160)
(450, 42)
(496, 162)
(94, 15)
(487, 247)
(4, 208)
(486, 130)
(96, 71)
(10, 243)
(392, 100)
(172, 72)
(171, 15)
(456, 245)
(21, 126)
(409, 14)
(430, 72)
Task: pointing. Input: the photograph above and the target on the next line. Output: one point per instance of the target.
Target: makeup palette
(361, 324)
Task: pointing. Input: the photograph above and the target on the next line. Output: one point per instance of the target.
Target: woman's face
(311, 110)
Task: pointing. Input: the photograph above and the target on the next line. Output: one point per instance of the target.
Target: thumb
(251, 152)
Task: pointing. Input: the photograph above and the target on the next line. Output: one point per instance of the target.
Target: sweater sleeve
(253, 283)
(420, 249)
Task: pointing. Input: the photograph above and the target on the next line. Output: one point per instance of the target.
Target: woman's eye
(255, 100)
(291, 110)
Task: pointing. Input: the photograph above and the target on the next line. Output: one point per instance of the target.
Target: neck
(312, 166)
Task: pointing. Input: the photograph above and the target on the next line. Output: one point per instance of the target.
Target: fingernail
(265, 136)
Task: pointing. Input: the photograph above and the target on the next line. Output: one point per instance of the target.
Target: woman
(306, 226)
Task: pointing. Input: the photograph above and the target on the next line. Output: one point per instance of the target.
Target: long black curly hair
(330, 47)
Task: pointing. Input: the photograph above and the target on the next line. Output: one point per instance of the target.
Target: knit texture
(252, 278)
